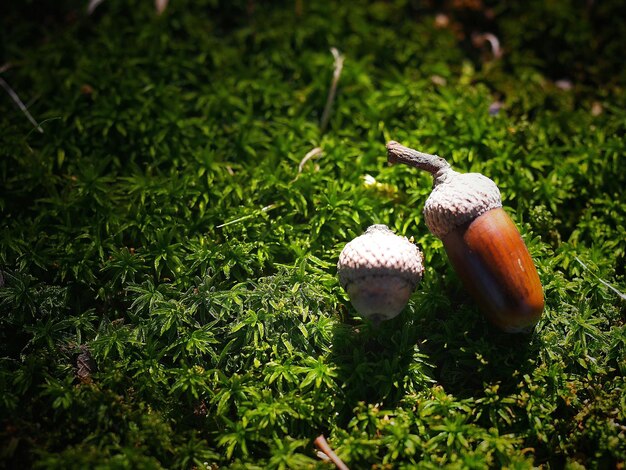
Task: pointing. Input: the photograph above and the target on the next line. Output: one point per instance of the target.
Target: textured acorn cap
(379, 270)
(458, 198)
(380, 252)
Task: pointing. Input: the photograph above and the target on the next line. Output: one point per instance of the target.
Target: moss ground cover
(167, 258)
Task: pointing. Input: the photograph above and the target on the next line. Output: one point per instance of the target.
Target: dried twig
(321, 443)
(479, 39)
(620, 294)
(310, 154)
(249, 216)
(85, 365)
(20, 104)
(313, 153)
(333, 87)
(160, 5)
(93, 4)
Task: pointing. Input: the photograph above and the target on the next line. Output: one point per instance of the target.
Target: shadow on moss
(379, 364)
(431, 342)
(470, 354)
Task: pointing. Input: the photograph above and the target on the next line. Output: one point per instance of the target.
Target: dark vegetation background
(168, 293)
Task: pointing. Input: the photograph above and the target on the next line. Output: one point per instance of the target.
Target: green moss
(169, 294)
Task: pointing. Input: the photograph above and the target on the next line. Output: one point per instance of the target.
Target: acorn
(483, 244)
(380, 270)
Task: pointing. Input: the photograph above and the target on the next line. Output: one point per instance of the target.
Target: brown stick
(398, 153)
(322, 445)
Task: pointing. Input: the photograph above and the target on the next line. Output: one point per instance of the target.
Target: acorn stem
(435, 165)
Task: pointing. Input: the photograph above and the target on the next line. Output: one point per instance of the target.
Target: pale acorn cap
(458, 198)
(380, 252)
(380, 271)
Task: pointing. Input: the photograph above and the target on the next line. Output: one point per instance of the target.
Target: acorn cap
(380, 252)
(457, 198)
(380, 270)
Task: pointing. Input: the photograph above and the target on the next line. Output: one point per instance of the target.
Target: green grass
(160, 226)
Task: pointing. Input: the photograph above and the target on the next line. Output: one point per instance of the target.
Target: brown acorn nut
(380, 270)
(482, 242)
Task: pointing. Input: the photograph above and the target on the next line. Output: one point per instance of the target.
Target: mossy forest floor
(167, 254)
